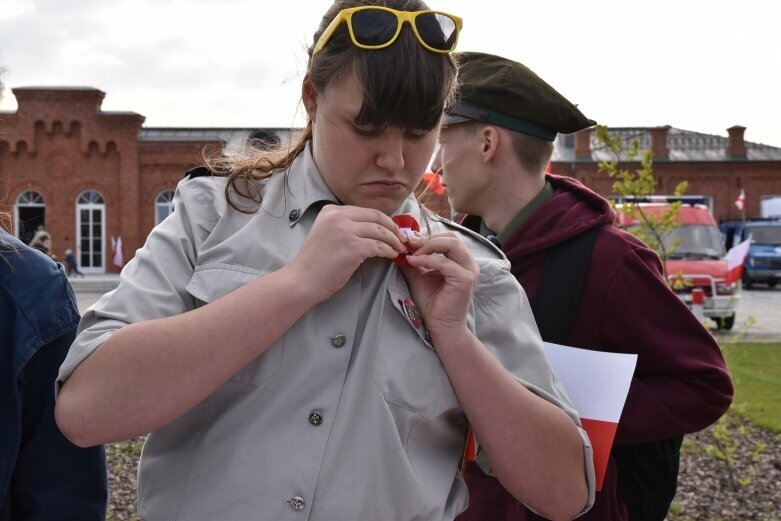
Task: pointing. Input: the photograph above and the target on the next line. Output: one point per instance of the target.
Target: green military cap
(502, 92)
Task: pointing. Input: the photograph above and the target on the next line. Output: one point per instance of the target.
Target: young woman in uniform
(284, 364)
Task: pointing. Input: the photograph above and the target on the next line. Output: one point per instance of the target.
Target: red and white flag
(597, 383)
(119, 259)
(736, 256)
(740, 202)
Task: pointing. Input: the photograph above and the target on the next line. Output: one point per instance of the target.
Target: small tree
(632, 185)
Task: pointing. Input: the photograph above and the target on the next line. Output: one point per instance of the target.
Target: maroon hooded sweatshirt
(681, 384)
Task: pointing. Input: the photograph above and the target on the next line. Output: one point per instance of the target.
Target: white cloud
(15, 8)
(700, 65)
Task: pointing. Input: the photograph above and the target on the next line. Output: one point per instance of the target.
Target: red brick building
(88, 175)
(714, 166)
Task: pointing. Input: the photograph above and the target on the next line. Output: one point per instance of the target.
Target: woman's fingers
(364, 223)
(449, 248)
(340, 240)
(442, 275)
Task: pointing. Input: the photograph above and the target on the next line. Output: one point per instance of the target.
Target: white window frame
(163, 199)
(91, 205)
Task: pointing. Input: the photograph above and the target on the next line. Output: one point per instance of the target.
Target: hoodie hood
(572, 210)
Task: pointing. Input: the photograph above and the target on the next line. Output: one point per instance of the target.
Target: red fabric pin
(408, 226)
(411, 310)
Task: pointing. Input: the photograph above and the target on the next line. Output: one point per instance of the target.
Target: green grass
(756, 372)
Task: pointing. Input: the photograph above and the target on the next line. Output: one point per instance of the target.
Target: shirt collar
(543, 197)
(301, 188)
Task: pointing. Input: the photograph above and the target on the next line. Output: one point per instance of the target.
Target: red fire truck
(695, 256)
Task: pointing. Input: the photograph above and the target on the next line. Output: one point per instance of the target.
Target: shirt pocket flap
(212, 281)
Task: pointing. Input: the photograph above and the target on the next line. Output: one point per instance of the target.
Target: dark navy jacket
(42, 475)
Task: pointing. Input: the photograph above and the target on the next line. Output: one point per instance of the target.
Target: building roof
(683, 145)
(224, 134)
(59, 88)
(234, 138)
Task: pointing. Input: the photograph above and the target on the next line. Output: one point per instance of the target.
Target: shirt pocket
(407, 369)
(213, 281)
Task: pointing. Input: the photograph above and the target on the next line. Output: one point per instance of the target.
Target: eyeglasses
(374, 27)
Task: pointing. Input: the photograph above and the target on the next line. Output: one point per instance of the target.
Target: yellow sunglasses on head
(375, 27)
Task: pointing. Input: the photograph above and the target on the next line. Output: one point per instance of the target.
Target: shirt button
(297, 503)
(293, 215)
(315, 418)
(338, 340)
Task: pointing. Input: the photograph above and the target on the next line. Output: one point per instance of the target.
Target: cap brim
(452, 119)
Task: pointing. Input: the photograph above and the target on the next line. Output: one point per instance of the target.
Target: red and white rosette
(409, 226)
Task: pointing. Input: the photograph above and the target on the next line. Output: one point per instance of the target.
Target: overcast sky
(701, 65)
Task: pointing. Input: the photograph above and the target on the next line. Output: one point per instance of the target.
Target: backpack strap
(558, 295)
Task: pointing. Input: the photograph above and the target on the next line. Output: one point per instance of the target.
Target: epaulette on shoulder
(467, 231)
(198, 171)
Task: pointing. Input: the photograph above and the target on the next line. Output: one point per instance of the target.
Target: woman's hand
(442, 275)
(341, 238)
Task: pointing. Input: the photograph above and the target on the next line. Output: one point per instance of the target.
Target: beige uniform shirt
(350, 415)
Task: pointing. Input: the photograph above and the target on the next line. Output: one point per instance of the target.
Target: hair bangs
(413, 100)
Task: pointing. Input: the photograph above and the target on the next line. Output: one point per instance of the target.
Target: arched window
(30, 198)
(29, 214)
(90, 197)
(164, 205)
(90, 231)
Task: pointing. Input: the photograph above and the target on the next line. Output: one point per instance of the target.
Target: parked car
(695, 257)
(763, 262)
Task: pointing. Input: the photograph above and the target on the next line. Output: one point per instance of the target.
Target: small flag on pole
(736, 256)
(740, 202)
(597, 383)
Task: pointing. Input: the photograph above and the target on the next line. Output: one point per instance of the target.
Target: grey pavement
(760, 305)
(91, 287)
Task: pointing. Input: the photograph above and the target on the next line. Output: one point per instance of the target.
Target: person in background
(494, 147)
(43, 476)
(294, 353)
(42, 242)
(71, 266)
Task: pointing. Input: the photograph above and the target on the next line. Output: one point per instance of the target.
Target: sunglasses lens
(438, 30)
(373, 27)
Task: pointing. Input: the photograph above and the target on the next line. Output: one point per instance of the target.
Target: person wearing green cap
(494, 147)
